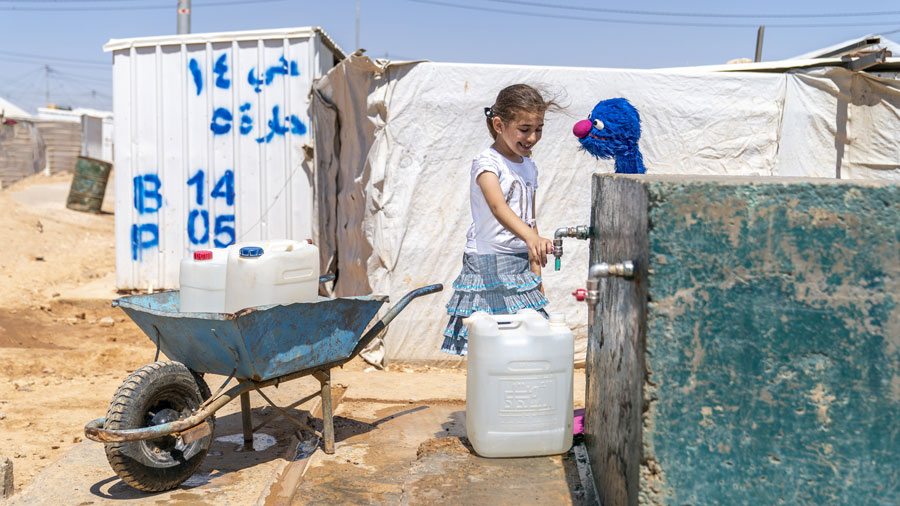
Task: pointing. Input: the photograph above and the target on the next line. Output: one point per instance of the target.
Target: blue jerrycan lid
(251, 252)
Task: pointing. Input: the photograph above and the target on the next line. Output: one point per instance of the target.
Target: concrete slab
(54, 195)
(228, 475)
(45, 195)
(381, 425)
(416, 453)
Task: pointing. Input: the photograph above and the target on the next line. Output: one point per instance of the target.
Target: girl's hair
(513, 99)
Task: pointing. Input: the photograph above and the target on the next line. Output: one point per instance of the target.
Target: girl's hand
(538, 248)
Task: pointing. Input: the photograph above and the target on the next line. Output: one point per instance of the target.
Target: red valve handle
(580, 294)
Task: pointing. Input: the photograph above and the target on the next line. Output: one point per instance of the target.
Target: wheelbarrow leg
(246, 421)
(324, 378)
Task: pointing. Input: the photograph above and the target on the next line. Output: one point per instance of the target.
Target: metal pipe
(324, 378)
(578, 232)
(184, 17)
(246, 422)
(394, 311)
(759, 43)
(95, 432)
(623, 270)
(604, 270)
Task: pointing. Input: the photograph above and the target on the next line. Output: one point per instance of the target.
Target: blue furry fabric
(616, 135)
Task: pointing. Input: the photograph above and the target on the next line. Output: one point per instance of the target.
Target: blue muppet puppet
(612, 131)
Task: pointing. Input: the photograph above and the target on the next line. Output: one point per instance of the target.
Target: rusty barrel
(88, 185)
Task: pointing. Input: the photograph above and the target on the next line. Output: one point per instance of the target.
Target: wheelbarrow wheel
(157, 393)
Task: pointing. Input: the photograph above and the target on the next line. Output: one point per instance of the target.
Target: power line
(694, 14)
(43, 57)
(18, 59)
(639, 22)
(65, 1)
(77, 78)
(135, 7)
(68, 83)
(83, 79)
(20, 78)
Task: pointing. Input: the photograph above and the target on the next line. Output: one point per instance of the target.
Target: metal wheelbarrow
(159, 425)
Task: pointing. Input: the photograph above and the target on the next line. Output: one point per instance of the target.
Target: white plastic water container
(202, 282)
(271, 272)
(519, 384)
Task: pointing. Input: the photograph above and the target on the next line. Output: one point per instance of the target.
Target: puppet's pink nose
(582, 128)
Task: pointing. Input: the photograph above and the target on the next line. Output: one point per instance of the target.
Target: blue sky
(55, 46)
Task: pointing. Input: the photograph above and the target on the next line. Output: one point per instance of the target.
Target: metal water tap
(579, 232)
(623, 270)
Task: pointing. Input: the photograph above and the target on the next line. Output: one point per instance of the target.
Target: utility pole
(46, 85)
(184, 16)
(759, 42)
(357, 26)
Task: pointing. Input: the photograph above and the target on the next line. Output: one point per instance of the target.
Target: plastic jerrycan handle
(480, 318)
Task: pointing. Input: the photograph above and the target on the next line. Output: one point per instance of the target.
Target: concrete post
(7, 485)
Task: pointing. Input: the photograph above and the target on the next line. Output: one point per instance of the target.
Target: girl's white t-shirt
(518, 182)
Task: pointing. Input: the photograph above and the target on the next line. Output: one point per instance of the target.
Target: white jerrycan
(202, 282)
(519, 384)
(271, 272)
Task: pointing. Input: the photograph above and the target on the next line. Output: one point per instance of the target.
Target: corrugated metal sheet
(209, 136)
(21, 151)
(63, 142)
(96, 128)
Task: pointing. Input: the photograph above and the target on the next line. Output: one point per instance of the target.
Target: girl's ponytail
(489, 112)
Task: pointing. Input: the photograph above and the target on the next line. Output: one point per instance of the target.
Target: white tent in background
(10, 110)
(394, 146)
(867, 43)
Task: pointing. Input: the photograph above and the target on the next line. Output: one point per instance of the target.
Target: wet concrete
(402, 453)
(399, 439)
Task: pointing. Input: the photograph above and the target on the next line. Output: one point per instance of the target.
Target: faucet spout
(579, 232)
(624, 270)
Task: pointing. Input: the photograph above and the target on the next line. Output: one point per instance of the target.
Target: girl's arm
(538, 247)
(535, 266)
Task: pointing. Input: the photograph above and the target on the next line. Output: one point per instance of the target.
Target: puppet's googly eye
(598, 124)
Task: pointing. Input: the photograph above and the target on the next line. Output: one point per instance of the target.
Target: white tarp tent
(392, 182)
(11, 110)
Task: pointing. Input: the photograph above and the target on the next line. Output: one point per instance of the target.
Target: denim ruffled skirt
(497, 284)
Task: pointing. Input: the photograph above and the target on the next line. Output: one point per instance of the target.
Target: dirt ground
(63, 349)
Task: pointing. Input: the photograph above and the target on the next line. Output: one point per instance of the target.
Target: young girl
(504, 253)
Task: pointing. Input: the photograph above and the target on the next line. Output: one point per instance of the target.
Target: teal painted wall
(772, 343)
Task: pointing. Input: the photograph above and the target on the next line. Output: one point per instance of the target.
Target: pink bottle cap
(203, 255)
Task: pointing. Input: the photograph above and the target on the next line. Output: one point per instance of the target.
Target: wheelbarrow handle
(393, 312)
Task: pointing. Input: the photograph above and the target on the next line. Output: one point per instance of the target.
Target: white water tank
(519, 384)
(202, 281)
(210, 130)
(271, 272)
